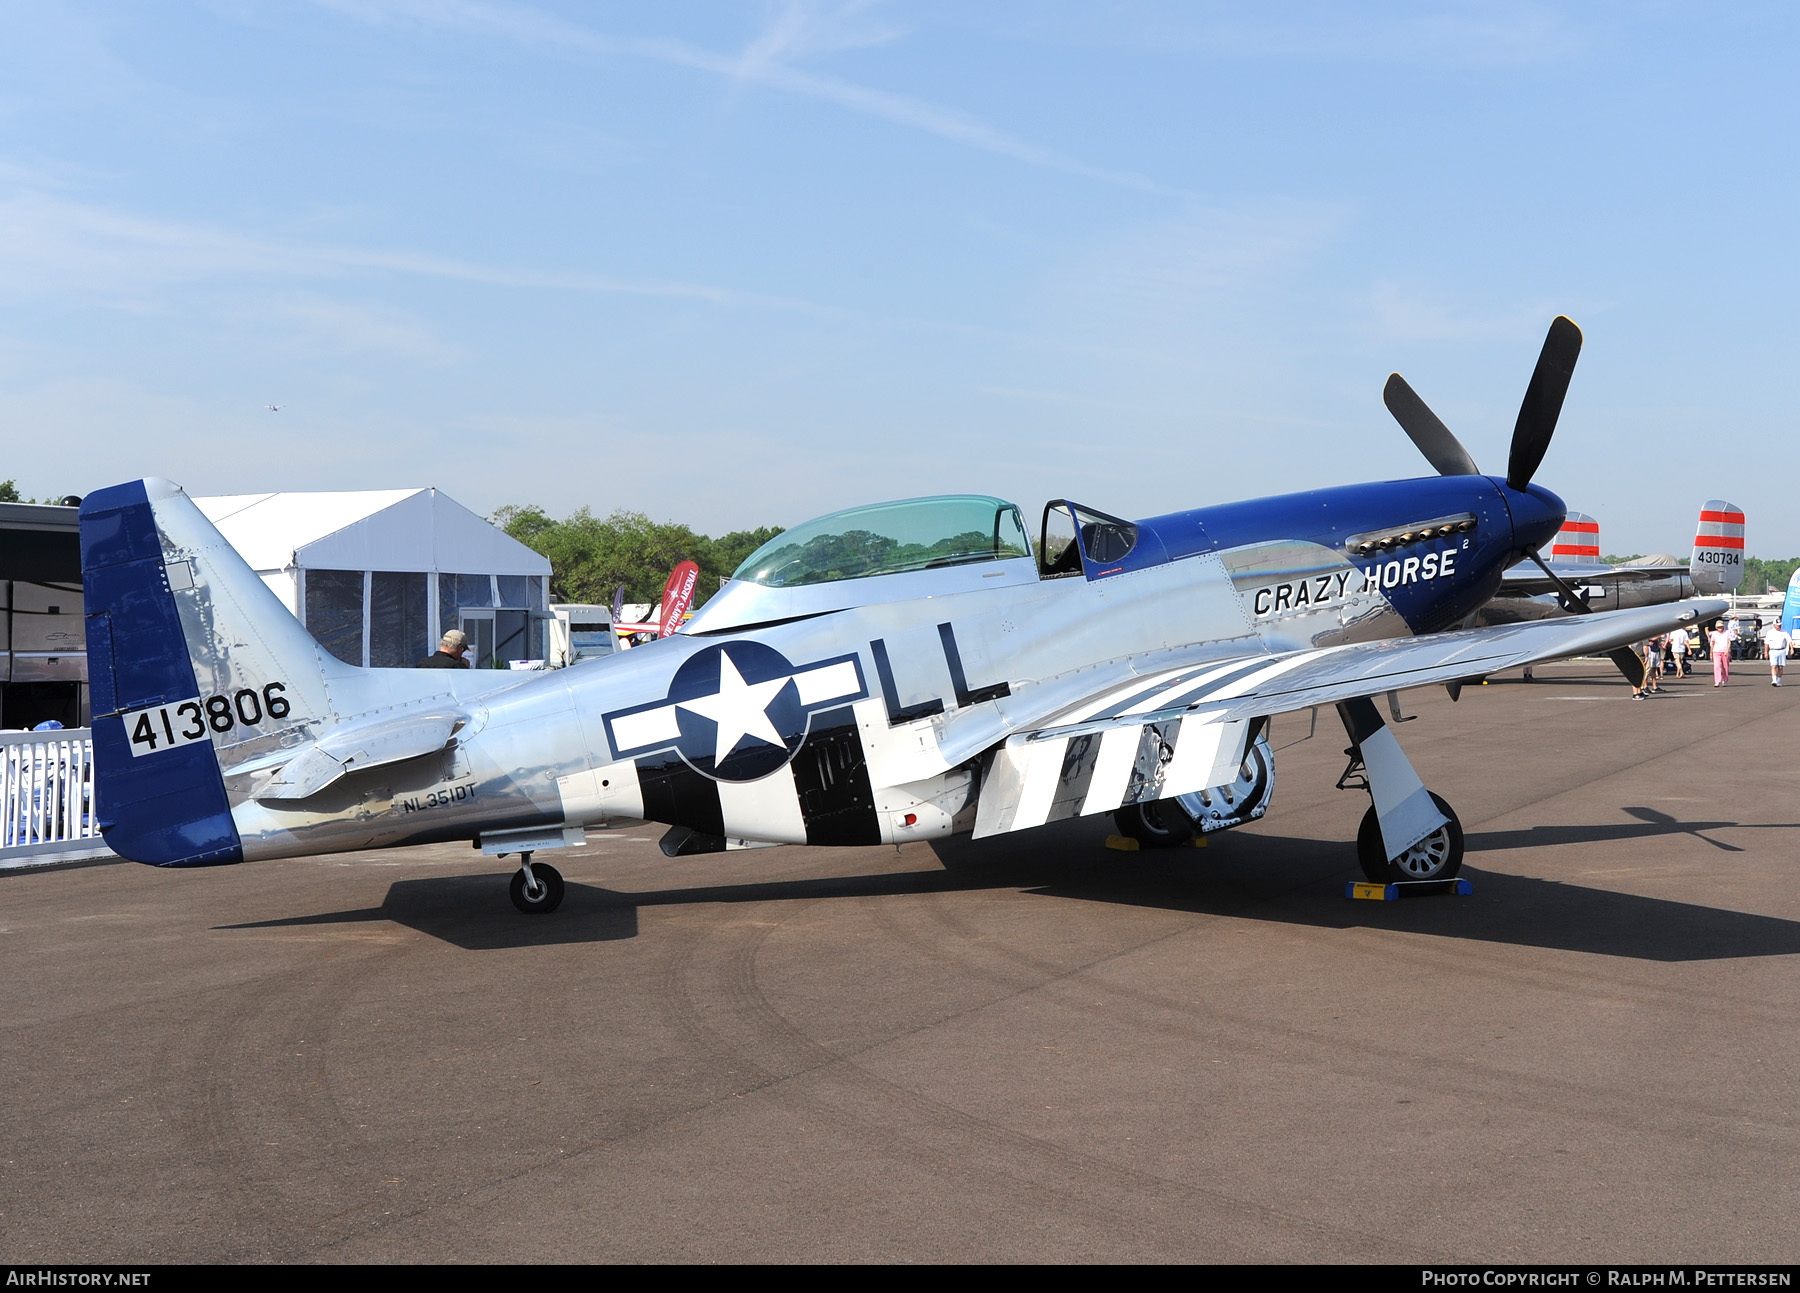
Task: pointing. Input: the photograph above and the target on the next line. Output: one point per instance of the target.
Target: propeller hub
(1537, 515)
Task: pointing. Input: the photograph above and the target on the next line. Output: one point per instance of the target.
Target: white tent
(378, 575)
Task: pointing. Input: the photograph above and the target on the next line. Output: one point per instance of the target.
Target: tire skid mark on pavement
(931, 1133)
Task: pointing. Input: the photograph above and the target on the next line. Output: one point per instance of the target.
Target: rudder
(1717, 565)
(1578, 542)
(193, 663)
(167, 810)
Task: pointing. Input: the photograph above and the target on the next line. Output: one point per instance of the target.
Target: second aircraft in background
(1529, 591)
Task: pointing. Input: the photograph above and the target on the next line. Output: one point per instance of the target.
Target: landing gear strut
(1408, 832)
(536, 890)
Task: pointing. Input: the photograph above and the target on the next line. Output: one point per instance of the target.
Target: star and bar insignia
(736, 711)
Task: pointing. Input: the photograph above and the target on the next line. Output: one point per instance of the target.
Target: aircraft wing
(1526, 580)
(1186, 730)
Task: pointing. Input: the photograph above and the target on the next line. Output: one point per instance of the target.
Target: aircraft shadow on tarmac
(1301, 881)
(1286, 880)
(1518, 910)
(473, 912)
(1650, 823)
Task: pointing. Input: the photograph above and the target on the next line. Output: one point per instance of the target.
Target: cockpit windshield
(889, 538)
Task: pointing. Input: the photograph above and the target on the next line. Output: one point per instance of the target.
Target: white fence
(47, 798)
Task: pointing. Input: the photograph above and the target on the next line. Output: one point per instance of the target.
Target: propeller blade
(1435, 440)
(1629, 662)
(1543, 401)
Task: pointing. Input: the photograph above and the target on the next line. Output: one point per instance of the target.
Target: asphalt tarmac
(1031, 1049)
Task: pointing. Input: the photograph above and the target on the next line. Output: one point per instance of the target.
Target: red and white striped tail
(1718, 562)
(1578, 542)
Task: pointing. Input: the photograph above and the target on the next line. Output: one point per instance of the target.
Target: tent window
(511, 640)
(458, 591)
(398, 633)
(334, 612)
(513, 592)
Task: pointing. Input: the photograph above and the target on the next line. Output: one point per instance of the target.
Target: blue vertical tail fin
(160, 800)
(192, 662)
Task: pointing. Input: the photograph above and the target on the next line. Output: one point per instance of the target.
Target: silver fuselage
(538, 750)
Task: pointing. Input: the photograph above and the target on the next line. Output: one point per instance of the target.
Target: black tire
(1438, 856)
(550, 890)
(1159, 824)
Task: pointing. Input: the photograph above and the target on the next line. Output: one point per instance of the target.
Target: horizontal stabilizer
(357, 746)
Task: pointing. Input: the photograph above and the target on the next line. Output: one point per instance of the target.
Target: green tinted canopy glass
(888, 538)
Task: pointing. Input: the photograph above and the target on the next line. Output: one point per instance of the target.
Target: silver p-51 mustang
(888, 673)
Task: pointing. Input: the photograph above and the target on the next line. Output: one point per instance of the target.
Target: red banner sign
(678, 596)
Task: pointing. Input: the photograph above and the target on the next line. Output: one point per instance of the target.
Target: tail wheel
(542, 898)
(1159, 824)
(1438, 856)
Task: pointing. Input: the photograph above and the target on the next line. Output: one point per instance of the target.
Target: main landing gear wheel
(1159, 824)
(1243, 799)
(1436, 857)
(542, 894)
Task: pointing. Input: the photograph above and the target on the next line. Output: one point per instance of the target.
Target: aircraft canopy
(888, 538)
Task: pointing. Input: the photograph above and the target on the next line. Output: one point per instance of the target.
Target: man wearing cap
(449, 655)
(1775, 645)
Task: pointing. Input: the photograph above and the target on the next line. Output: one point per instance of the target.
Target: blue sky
(739, 264)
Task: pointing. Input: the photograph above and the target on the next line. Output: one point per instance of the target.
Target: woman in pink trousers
(1719, 643)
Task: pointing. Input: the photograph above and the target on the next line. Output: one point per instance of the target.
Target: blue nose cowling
(1537, 515)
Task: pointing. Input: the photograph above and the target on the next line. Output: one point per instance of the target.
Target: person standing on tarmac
(450, 653)
(1719, 643)
(1652, 669)
(1775, 644)
(1678, 652)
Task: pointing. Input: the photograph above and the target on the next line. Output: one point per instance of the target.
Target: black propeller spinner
(1538, 413)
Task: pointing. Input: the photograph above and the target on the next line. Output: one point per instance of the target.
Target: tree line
(1762, 576)
(9, 493)
(591, 556)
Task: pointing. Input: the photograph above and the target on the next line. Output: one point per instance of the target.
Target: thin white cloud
(799, 30)
(766, 61)
(338, 326)
(1437, 33)
(50, 244)
(1177, 289)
